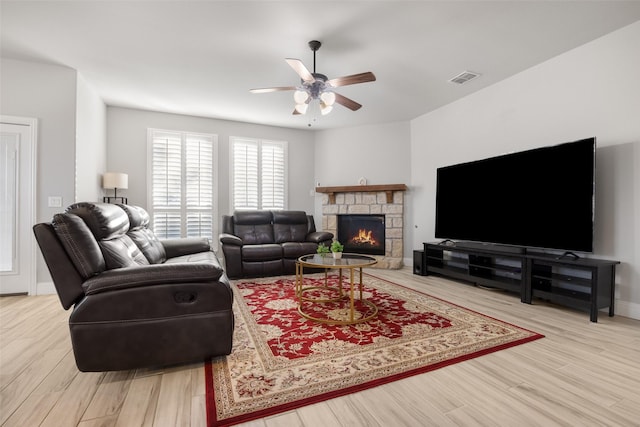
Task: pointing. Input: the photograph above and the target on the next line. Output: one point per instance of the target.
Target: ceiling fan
(318, 86)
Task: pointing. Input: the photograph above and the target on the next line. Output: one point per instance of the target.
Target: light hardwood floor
(581, 374)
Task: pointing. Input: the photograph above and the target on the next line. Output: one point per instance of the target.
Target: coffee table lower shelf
(347, 314)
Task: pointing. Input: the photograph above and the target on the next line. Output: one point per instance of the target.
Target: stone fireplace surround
(369, 199)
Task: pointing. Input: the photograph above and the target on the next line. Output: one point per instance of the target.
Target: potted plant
(336, 249)
(322, 249)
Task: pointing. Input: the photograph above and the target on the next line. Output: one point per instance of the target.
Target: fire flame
(364, 237)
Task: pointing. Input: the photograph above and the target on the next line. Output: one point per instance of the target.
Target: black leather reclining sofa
(267, 243)
(137, 301)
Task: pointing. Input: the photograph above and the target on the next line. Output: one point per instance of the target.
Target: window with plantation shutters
(259, 169)
(182, 169)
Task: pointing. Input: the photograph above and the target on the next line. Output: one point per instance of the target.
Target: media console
(584, 283)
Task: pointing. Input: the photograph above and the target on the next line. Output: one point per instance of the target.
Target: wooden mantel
(387, 188)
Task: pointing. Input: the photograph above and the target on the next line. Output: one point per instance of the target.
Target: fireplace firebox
(361, 233)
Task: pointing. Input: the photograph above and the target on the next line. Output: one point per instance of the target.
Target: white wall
(380, 153)
(47, 93)
(589, 91)
(91, 143)
(127, 151)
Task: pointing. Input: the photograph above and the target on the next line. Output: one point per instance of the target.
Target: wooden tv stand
(586, 284)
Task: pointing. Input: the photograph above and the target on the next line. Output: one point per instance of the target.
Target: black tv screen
(542, 198)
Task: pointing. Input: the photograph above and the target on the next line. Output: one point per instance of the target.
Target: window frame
(259, 142)
(184, 209)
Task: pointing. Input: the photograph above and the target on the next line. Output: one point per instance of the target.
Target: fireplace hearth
(362, 233)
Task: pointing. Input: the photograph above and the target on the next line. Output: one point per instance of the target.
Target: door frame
(30, 215)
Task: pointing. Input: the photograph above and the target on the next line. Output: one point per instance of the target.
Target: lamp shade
(115, 180)
(300, 96)
(302, 108)
(328, 98)
(325, 109)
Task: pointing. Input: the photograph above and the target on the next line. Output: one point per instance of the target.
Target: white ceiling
(202, 57)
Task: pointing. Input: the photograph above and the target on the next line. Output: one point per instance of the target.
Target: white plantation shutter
(245, 174)
(167, 225)
(199, 172)
(273, 175)
(166, 178)
(259, 170)
(199, 224)
(181, 167)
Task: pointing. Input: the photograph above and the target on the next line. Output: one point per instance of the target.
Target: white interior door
(17, 245)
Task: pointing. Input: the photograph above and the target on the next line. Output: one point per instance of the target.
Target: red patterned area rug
(281, 361)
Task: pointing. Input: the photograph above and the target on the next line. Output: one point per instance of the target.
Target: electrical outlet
(55, 202)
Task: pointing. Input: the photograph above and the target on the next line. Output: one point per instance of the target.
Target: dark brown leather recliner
(268, 243)
(137, 301)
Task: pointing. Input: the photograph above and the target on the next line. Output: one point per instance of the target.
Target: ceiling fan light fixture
(329, 98)
(302, 108)
(316, 86)
(300, 96)
(325, 109)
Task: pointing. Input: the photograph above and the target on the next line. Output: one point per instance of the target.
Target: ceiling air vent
(464, 77)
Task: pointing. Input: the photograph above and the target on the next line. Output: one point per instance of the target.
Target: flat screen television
(539, 198)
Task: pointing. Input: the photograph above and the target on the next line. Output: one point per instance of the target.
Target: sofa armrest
(185, 246)
(319, 236)
(230, 239)
(147, 275)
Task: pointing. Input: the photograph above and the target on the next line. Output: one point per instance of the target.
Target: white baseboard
(622, 308)
(407, 262)
(45, 288)
(627, 309)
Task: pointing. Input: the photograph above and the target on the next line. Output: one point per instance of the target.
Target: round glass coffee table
(332, 296)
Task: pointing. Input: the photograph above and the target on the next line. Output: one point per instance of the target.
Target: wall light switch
(55, 201)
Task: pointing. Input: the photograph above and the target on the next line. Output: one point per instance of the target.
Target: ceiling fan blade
(300, 69)
(352, 79)
(346, 102)
(272, 89)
